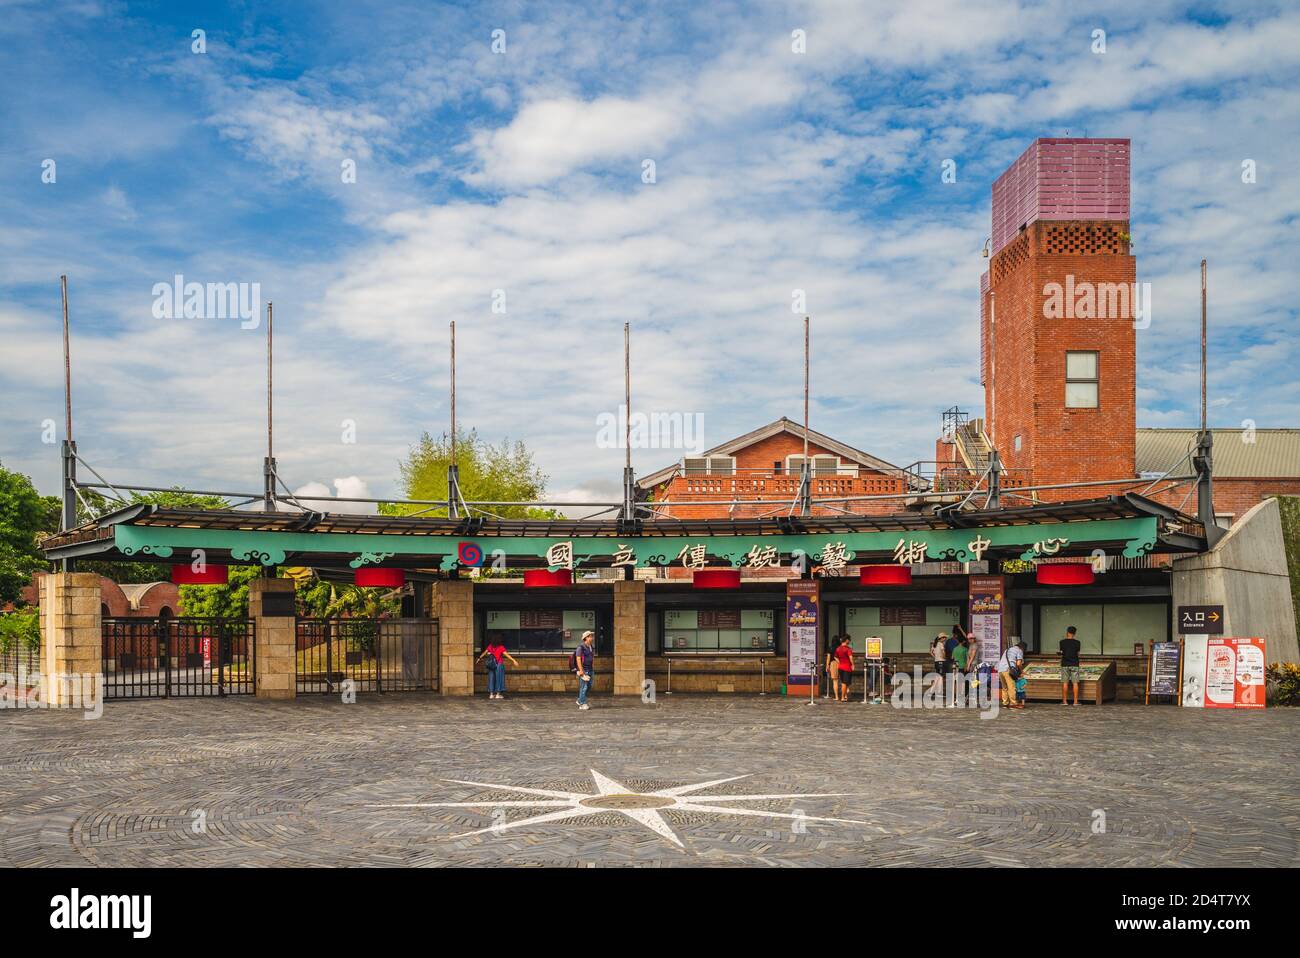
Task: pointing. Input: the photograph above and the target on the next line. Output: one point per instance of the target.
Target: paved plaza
(418, 779)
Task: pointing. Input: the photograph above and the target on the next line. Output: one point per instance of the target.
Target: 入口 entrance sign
(1200, 620)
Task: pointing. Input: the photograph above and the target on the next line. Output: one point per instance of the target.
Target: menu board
(719, 619)
(902, 615)
(1162, 677)
(541, 619)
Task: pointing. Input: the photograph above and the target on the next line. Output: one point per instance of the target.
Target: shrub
(20, 630)
(1282, 681)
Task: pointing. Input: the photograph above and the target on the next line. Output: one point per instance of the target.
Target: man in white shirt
(1012, 658)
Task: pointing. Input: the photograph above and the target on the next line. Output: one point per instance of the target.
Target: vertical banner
(1193, 686)
(1234, 674)
(802, 616)
(986, 607)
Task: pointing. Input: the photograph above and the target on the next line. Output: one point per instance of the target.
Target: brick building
(132, 600)
(758, 475)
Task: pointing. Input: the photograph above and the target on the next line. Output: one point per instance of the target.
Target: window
(726, 631)
(540, 630)
(1110, 628)
(902, 628)
(821, 465)
(1225, 519)
(712, 466)
(1017, 443)
(1081, 380)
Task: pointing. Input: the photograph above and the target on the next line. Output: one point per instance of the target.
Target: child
(1021, 684)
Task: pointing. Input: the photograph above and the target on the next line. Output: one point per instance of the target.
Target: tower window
(1081, 380)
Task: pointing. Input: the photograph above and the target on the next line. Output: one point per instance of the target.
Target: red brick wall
(1025, 394)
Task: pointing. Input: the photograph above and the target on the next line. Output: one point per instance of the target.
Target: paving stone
(306, 782)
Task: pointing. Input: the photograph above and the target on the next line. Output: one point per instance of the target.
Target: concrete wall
(1246, 573)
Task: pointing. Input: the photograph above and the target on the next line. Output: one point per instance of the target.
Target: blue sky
(521, 170)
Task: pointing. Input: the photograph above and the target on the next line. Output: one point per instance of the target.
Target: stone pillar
(629, 636)
(72, 636)
(453, 604)
(277, 642)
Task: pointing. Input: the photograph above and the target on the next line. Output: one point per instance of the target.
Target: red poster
(1234, 673)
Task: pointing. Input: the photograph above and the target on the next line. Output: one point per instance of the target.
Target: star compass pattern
(643, 808)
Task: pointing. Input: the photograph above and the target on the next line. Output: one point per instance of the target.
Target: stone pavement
(314, 782)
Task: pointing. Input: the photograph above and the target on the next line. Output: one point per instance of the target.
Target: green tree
(25, 518)
(504, 473)
(229, 601)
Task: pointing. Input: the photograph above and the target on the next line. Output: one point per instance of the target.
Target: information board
(902, 615)
(986, 605)
(1162, 673)
(1223, 673)
(802, 614)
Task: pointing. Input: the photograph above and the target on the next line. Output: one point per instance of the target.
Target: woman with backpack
(494, 650)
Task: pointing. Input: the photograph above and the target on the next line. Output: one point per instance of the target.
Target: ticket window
(540, 630)
(719, 631)
(1110, 628)
(902, 628)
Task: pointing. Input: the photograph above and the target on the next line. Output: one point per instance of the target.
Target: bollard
(670, 678)
(762, 680)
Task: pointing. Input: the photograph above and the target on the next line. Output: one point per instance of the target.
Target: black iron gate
(370, 655)
(164, 657)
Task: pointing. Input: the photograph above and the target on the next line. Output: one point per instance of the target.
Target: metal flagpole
(268, 467)
(629, 482)
(68, 517)
(805, 478)
(453, 474)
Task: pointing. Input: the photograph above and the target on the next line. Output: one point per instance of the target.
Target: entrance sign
(1200, 620)
(986, 607)
(1223, 673)
(802, 614)
(1162, 669)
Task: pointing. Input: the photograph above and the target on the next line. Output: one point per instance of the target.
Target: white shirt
(1011, 655)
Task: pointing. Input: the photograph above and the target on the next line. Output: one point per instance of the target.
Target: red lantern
(381, 578)
(717, 578)
(545, 579)
(885, 575)
(1065, 573)
(211, 575)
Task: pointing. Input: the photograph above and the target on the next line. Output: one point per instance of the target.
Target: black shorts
(846, 677)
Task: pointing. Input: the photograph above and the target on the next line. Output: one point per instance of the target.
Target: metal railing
(186, 656)
(366, 655)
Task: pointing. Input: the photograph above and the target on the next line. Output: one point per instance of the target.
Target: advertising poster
(1234, 673)
(986, 607)
(802, 615)
(875, 649)
(1194, 647)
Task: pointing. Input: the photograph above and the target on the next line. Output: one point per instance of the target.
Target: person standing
(1010, 665)
(495, 652)
(960, 651)
(940, 658)
(844, 661)
(1070, 668)
(833, 666)
(584, 658)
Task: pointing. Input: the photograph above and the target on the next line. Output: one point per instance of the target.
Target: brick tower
(1058, 354)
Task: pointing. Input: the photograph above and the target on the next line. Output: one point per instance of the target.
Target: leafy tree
(229, 601)
(504, 473)
(25, 515)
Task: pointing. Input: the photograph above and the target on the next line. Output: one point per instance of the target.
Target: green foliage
(228, 601)
(504, 473)
(1290, 509)
(21, 630)
(25, 517)
(1282, 680)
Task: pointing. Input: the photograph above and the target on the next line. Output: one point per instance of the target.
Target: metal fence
(161, 658)
(367, 655)
(370, 655)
